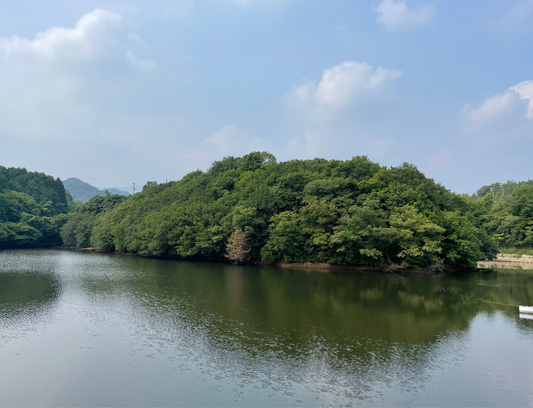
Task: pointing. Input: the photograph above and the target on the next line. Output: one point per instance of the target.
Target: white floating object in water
(525, 309)
(526, 316)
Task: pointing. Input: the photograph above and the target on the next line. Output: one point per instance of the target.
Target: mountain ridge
(83, 191)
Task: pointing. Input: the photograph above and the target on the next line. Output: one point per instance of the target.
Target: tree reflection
(351, 323)
(26, 295)
(334, 335)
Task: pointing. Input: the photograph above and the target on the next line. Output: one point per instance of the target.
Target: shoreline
(440, 270)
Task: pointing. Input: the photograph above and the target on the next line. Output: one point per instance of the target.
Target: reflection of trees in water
(339, 330)
(342, 333)
(501, 287)
(333, 335)
(26, 297)
(30, 290)
(346, 327)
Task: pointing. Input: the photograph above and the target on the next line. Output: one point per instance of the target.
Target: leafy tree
(31, 205)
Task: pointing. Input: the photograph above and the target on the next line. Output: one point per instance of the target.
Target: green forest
(32, 208)
(252, 208)
(504, 189)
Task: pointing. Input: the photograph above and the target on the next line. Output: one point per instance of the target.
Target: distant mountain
(119, 191)
(80, 190)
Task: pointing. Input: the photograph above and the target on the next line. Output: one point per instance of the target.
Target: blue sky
(130, 91)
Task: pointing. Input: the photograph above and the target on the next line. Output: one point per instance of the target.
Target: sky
(122, 92)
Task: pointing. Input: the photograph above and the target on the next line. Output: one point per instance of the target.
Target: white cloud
(525, 91)
(352, 79)
(227, 141)
(492, 107)
(351, 92)
(91, 37)
(42, 79)
(341, 85)
(395, 15)
(500, 105)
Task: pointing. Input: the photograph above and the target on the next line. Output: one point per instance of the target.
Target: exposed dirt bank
(394, 269)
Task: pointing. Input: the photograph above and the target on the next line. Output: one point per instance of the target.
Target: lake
(89, 329)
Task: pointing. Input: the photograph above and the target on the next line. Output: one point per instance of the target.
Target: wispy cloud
(42, 79)
(144, 65)
(227, 141)
(517, 19)
(96, 35)
(396, 16)
(310, 146)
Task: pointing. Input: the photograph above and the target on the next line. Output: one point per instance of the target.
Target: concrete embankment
(508, 261)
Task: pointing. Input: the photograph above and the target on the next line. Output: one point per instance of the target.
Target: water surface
(87, 329)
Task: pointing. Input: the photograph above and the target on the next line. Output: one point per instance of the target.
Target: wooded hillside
(30, 203)
(253, 208)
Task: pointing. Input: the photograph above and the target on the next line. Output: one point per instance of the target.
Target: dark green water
(86, 329)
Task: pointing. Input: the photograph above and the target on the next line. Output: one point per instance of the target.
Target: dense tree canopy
(253, 208)
(506, 188)
(341, 212)
(508, 219)
(31, 208)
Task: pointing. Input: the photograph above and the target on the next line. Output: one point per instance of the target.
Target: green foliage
(68, 230)
(145, 187)
(90, 225)
(286, 239)
(83, 231)
(18, 234)
(508, 219)
(517, 251)
(101, 237)
(342, 212)
(508, 188)
(31, 208)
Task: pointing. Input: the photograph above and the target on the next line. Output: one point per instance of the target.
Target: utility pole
(501, 185)
(492, 191)
(133, 188)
